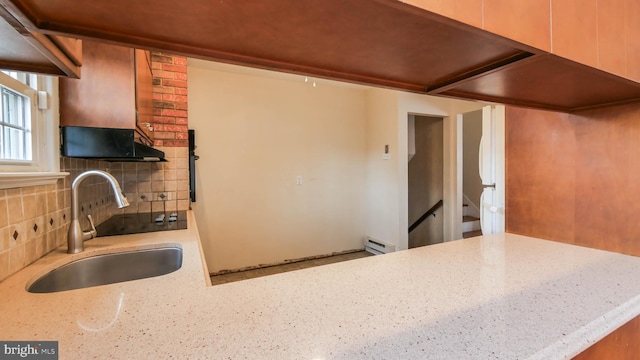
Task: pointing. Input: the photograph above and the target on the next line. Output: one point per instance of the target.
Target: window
(15, 126)
(28, 132)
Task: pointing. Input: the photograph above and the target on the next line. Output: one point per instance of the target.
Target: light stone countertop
(494, 297)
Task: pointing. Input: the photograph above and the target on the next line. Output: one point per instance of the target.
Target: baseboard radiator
(377, 247)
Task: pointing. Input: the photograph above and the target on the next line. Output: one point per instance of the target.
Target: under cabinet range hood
(106, 144)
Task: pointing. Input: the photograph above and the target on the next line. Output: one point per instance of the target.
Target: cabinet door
(144, 95)
(105, 95)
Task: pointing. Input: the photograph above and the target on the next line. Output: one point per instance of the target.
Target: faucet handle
(93, 230)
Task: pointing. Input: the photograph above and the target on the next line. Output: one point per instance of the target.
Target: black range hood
(106, 144)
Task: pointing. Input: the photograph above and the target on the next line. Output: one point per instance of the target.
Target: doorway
(471, 182)
(425, 180)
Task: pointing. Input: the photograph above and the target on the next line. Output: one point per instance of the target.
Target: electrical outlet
(298, 180)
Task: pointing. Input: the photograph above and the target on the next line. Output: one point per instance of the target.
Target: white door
(491, 167)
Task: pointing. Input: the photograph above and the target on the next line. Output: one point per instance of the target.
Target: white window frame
(44, 168)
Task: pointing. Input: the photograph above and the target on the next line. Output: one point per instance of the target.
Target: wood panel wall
(600, 34)
(575, 178)
(621, 344)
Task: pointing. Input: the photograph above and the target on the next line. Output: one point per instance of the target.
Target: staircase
(470, 224)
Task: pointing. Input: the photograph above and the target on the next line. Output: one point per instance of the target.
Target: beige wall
(255, 135)
(383, 183)
(471, 134)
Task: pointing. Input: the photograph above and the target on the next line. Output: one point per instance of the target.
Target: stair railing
(431, 211)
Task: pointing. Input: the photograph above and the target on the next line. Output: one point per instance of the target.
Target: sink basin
(109, 269)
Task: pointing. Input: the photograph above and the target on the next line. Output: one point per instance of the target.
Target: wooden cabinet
(524, 21)
(115, 91)
(575, 32)
(24, 50)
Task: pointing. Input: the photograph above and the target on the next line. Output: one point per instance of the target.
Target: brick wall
(169, 99)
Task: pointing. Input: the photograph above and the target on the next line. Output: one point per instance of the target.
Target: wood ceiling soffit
(537, 80)
(395, 50)
(338, 40)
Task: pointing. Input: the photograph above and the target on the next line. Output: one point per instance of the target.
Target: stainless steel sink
(109, 269)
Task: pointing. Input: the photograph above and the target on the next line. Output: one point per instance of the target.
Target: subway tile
(171, 205)
(183, 195)
(4, 238)
(144, 207)
(144, 186)
(60, 199)
(170, 152)
(160, 196)
(131, 209)
(67, 198)
(170, 185)
(51, 221)
(40, 215)
(62, 238)
(15, 211)
(14, 192)
(183, 185)
(157, 206)
(4, 265)
(156, 166)
(51, 240)
(144, 175)
(170, 175)
(143, 166)
(17, 234)
(37, 227)
(130, 176)
(41, 202)
(52, 201)
(129, 166)
(4, 217)
(41, 245)
(182, 163)
(30, 252)
(182, 174)
(183, 205)
(182, 152)
(130, 187)
(157, 176)
(157, 185)
(16, 258)
(29, 206)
